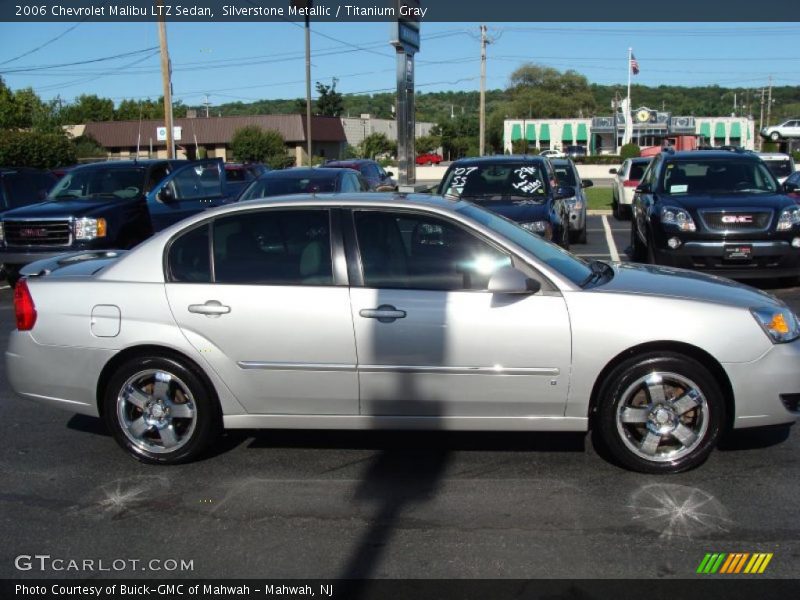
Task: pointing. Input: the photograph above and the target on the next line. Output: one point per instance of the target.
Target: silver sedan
(388, 311)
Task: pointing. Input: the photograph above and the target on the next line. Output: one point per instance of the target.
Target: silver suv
(788, 129)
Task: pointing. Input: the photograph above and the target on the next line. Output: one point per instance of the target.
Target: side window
(199, 181)
(189, 257)
(157, 173)
(418, 251)
(21, 190)
(363, 185)
(273, 247)
(349, 183)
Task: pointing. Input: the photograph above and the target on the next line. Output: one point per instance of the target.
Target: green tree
(629, 151)
(427, 143)
(538, 91)
(35, 149)
(87, 147)
(88, 107)
(329, 102)
(375, 144)
(253, 144)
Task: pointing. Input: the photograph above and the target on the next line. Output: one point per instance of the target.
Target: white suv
(624, 184)
(781, 165)
(787, 129)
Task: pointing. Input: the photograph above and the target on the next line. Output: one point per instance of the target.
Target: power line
(47, 43)
(81, 62)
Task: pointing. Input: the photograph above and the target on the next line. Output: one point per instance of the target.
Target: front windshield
(555, 257)
(281, 186)
(113, 182)
(781, 167)
(717, 176)
(488, 182)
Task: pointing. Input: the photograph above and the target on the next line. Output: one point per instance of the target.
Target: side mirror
(565, 192)
(389, 174)
(643, 188)
(790, 187)
(508, 280)
(612, 171)
(587, 183)
(166, 195)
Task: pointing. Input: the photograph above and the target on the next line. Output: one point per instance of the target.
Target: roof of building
(214, 130)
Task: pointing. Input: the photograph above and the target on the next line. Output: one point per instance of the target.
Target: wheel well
(148, 350)
(701, 356)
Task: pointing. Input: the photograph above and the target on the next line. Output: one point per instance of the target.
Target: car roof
(346, 163)
(687, 155)
(122, 164)
(773, 156)
(315, 172)
(500, 159)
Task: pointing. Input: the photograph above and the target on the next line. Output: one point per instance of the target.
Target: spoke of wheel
(168, 437)
(136, 397)
(181, 411)
(161, 389)
(633, 414)
(686, 402)
(684, 435)
(650, 443)
(655, 389)
(138, 427)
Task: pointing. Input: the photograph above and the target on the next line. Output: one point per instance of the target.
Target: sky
(251, 61)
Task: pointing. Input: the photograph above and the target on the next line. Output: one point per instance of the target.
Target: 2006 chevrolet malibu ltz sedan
(366, 311)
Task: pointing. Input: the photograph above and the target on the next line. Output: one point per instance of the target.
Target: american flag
(634, 65)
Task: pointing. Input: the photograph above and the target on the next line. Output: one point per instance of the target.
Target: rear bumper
(769, 259)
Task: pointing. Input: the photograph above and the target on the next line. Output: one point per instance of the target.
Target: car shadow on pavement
(753, 439)
(87, 424)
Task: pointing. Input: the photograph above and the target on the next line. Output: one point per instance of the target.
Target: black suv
(521, 188)
(717, 211)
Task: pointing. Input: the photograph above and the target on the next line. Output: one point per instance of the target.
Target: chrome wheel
(156, 411)
(662, 416)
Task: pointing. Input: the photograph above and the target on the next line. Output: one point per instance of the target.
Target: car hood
(521, 211)
(669, 282)
(726, 201)
(74, 207)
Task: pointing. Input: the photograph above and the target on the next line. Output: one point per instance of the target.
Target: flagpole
(628, 109)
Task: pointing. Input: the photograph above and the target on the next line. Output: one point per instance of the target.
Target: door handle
(212, 308)
(385, 313)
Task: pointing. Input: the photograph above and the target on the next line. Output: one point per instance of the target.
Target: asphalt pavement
(299, 504)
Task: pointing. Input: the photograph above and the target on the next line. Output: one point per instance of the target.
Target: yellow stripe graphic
(741, 562)
(765, 563)
(759, 559)
(731, 558)
(752, 562)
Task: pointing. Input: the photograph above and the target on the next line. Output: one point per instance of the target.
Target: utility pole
(206, 104)
(761, 121)
(769, 100)
(482, 139)
(166, 79)
(308, 80)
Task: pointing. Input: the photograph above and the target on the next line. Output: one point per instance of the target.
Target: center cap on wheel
(157, 411)
(662, 416)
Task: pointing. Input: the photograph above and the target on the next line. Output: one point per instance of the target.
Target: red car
(429, 159)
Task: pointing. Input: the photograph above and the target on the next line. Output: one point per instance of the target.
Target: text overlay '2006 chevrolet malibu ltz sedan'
(368, 311)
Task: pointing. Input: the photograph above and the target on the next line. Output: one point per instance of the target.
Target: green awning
(719, 131)
(748, 133)
(582, 134)
(736, 130)
(530, 132)
(705, 130)
(544, 133)
(516, 132)
(566, 133)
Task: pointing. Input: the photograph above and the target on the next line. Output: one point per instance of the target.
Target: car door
(432, 341)
(186, 191)
(267, 310)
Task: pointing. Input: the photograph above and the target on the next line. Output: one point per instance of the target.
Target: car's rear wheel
(578, 237)
(660, 413)
(775, 136)
(160, 411)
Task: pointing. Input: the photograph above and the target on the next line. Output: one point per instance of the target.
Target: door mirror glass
(790, 187)
(612, 171)
(389, 174)
(508, 280)
(587, 183)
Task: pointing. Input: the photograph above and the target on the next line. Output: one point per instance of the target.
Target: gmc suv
(717, 211)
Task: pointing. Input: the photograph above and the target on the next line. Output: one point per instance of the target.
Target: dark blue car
(521, 188)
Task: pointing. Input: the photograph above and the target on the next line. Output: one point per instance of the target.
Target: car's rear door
(267, 310)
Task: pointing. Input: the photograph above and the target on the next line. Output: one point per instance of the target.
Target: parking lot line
(612, 247)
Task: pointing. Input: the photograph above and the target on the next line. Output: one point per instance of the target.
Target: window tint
(716, 176)
(157, 173)
(189, 257)
(288, 247)
(780, 167)
(282, 184)
(199, 181)
(110, 182)
(637, 170)
(416, 251)
(495, 181)
(21, 190)
(565, 175)
(349, 183)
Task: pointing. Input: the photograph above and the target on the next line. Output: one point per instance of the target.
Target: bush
(630, 151)
(598, 159)
(253, 144)
(796, 156)
(88, 147)
(34, 149)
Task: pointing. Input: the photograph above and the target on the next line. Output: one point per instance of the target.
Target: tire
(660, 413)
(144, 420)
(564, 243)
(637, 248)
(651, 253)
(578, 237)
(615, 210)
(775, 136)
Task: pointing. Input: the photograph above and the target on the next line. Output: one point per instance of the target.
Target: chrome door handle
(385, 313)
(212, 308)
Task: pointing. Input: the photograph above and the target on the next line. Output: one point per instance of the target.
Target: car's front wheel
(775, 136)
(160, 410)
(637, 249)
(660, 413)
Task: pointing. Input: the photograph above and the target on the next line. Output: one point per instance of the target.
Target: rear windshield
(780, 167)
(113, 183)
(717, 176)
(565, 175)
(637, 170)
(496, 182)
(279, 186)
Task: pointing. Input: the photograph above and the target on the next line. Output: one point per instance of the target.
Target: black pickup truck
(108, 205)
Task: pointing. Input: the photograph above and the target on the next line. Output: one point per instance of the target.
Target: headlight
(789, 218)
(89, 229)
(543, 228)
(780, 324)
(678, 217)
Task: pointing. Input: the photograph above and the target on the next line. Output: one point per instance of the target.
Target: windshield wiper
(599, 271)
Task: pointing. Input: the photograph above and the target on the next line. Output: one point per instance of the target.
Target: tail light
(631, 183)
(24, 308)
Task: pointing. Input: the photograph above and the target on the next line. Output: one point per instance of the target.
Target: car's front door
(433, 342)
(267, 311)
(186, 191)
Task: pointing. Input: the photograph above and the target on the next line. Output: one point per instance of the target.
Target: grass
(599, 198)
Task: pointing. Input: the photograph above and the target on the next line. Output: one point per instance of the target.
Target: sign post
(405, 39)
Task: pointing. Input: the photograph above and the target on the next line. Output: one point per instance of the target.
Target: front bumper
(776, 258)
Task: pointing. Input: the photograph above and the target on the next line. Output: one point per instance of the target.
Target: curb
(599, 211)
